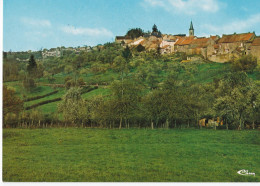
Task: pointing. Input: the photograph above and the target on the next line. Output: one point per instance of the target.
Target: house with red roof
(254, 49)
(231, 46)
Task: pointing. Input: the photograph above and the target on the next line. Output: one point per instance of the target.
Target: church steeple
(191, 30)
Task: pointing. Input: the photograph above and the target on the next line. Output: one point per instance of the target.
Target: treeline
(174, 104)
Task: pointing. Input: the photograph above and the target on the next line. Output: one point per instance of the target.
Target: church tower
(191, 30)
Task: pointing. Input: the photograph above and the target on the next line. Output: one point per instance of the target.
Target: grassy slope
(70, 154)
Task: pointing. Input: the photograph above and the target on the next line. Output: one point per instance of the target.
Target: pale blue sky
(36, 24)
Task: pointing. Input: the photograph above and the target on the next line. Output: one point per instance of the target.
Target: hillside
(104, 69)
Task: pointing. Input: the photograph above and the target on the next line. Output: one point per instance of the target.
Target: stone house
(254, 49)
(199, 46)
(232, 46)
(167, 46)
(183, 44)
(123, 39)
(53, 52)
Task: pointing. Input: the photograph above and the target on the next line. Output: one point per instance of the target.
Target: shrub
(29, 84)
(245, 63)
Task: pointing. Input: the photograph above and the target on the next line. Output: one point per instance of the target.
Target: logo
(245, 172)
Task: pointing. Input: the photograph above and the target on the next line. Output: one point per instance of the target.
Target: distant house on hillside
(53, 52)
(167, 46)
(232, 46)
(123, 39)
(183, 44)
(229, 43)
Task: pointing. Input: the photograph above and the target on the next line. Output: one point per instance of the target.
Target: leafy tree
(10, 70)
(127, 54)
(154, 29)
(245, 63)
(73, 107)
(234, 98)
(140, 48)
(12, 105)
(29, 83)
(125, 97)
(135, 33)
(32, 66)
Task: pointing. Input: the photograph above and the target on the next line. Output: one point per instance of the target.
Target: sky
(38, 24)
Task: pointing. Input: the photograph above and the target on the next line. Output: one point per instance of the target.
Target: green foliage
(10, 70)
(73, 107)
(29, 84)
(126, 53)
(32, 66)
(154, 29)
(140, 48)
(12, 105)
(245, 63)
(135, 33)
(235, 98)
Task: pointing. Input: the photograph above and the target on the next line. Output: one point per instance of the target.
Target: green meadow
(129, 155)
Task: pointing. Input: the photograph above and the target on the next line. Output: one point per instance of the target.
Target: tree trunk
(253, 124)
(226, 125)
(167, 124)
(188, 123)
(120, 124)
(151, 124)
(175, 125)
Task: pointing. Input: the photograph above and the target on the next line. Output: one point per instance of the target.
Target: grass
(104, 155)
(99, 91)
(57, 95)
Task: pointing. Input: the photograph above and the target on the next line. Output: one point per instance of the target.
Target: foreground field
(101, 155)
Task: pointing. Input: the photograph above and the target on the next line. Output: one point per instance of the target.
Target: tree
(154, 29)
(245, 63)
(135, 33)
(32, 66)
(127, 54)
(234, 98)
(124, 102)
(73, 107)
(29, 83)
(140, 48)
(12, 104)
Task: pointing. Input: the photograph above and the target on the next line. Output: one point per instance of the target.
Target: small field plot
(129, 155)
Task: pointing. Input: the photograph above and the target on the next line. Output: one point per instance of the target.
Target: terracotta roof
(214, 37)
(236, 38)
(216, 46)
(200, 42)
(256, 42)
(185, 40)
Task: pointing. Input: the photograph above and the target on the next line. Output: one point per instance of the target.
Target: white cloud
(87, 31)
(235, 26)
(189, 7)
(36, 22)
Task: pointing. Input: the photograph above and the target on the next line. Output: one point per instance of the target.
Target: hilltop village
(213, 48)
